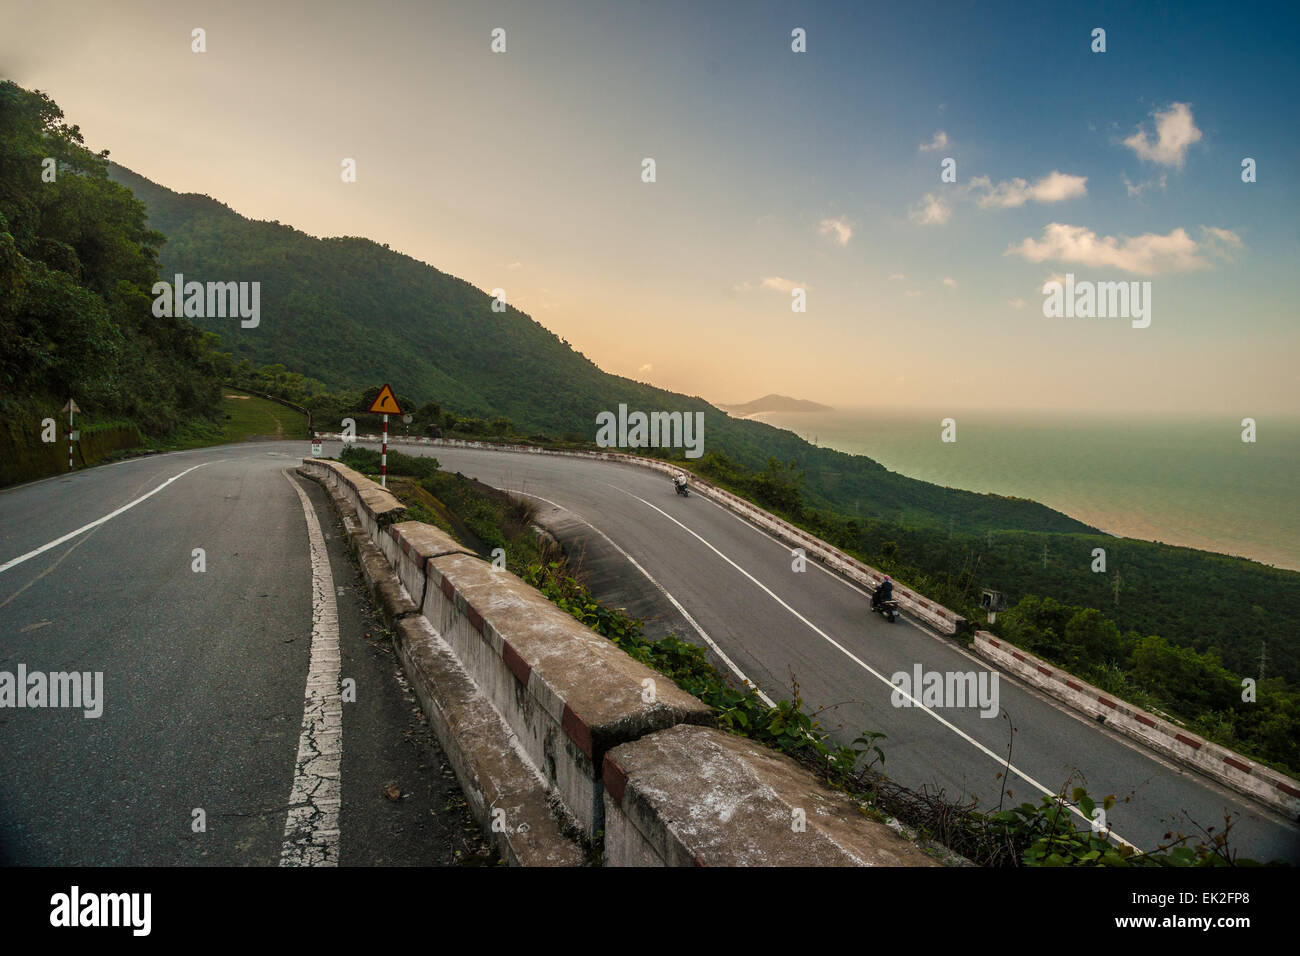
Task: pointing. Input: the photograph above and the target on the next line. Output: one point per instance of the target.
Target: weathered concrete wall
(529, 704)
(1242, 774)
(694, 796)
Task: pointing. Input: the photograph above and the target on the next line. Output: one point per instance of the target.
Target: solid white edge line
(311, 828)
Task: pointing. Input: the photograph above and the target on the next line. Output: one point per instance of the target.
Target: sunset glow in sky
(775, 170)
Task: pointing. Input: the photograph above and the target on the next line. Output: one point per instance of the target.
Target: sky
(775, 171)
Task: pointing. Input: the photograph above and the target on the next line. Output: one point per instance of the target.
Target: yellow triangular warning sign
(385, 402)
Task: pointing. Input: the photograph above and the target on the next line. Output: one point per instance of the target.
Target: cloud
(1134, 191)
(1147, 254)
(1017, 303)
(912, 292)
(930, 211)
(898, 275)
(1054, 187)
(939, 141)
(950, 282)
(515, 265)
(771, 282)
(1175, 132)
(647, 367)
(838, 229)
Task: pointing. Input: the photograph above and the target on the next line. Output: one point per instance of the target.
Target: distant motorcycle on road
(883, 603)
(679, 483)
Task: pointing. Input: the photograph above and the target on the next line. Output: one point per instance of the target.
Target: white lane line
(97, 522)
(928, 632)
(894, 688)
(311, 831)
(675, 603)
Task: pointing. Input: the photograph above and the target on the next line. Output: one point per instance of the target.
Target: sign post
(72, 436)
(385, 404)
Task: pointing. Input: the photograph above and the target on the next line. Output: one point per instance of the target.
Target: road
(205, 672)
(204, 675)
(778, 626)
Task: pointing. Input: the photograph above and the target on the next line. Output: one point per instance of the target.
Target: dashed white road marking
(894, 688)
(97, 522)
(311, 832)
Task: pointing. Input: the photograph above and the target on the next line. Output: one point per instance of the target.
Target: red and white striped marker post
(70, 408)
(384, 403)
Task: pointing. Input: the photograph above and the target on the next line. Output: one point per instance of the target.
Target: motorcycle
(886, 609)
(682, 489)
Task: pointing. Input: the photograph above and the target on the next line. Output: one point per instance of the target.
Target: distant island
(775, 403)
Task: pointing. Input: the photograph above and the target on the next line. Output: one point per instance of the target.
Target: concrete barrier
(568, 693)
(694, 796)
(528, 704)
(1232, 769)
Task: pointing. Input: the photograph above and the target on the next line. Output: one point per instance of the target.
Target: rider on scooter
(885, 592)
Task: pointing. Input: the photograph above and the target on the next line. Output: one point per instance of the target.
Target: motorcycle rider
(885, 592)
(679, 480)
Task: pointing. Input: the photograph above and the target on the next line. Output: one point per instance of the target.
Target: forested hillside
(77, 264)
(353, 313)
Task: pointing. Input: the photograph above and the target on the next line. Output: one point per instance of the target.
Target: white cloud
(515, 265)
(930, 211)
(772, 282)
(838, 229)
(1134, 191)
(939, 141)
(1175, 132)
(647, 367)
(1147, 254)
(898, 275)
(1054, 187)
(1017, 303)
(912, 292)
(950, 282)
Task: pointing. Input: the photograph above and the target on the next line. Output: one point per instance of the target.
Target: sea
(1180, 480)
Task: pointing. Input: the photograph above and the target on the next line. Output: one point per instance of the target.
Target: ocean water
(1178, 480)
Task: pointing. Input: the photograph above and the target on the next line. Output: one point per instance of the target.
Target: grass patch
(242, 418)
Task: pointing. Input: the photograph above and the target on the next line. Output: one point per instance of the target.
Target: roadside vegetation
(1045, 833)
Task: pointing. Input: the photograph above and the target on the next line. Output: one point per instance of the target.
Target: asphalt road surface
(204, 673)
(779, 626)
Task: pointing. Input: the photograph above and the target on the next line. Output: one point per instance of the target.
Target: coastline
(1155, 480)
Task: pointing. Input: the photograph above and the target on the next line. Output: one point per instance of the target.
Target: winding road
(204, 672)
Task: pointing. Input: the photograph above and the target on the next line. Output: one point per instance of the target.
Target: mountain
(76, 265)
(354, 313)
(775, 403)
